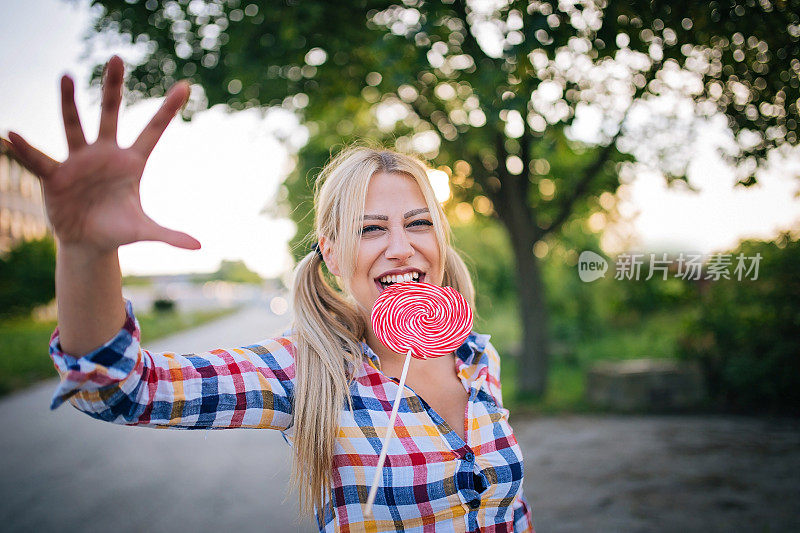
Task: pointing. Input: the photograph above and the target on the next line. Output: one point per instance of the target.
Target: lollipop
(428, 320)
(423, 320)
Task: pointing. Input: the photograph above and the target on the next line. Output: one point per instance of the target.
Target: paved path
(63, 471)
(661, 474)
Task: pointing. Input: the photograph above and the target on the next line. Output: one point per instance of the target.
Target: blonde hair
(328, 324)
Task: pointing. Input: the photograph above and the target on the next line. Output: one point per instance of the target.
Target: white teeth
(398, 278)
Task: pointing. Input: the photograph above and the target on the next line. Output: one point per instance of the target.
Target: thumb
(156, 232)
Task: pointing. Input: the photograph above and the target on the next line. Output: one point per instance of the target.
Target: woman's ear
(328, 256)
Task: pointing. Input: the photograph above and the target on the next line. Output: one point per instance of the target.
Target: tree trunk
(533, 361)
(519, 218)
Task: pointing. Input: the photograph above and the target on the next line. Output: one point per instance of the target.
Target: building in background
(22, 214)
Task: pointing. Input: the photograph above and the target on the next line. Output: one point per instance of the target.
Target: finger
(40, 164)
(112, 96)
(156, 232)
(72, 122)
(150, 135)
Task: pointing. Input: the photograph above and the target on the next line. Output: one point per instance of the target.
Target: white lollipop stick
(374, 489)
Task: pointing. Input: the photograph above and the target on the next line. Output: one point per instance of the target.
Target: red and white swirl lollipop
(423, 320)
(428, 320)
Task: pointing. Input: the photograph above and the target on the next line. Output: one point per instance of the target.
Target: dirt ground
(63, 471)
(661, 473)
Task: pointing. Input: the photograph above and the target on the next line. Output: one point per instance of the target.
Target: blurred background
(622, 179)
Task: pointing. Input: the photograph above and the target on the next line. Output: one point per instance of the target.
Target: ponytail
(456, 275)
(327, 338)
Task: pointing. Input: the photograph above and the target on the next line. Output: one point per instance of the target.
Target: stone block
(645, 385)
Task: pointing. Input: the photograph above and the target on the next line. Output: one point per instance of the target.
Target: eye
(370, 229)
(421, 223)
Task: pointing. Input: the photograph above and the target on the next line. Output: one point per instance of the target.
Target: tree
(27, 276)
(235, 271)
(745, 334)
(489, 92)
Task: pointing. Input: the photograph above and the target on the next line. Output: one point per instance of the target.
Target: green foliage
(639, 297)
(23, 343)
(484, 246)
(631, 300)
(581, 314)
(137, 281)
(745, 334)
(27, 276)
(233, 271)
(576, 310)
(751, 78)
(740, 53)
(164, 305)
(236, 271)
(656, 334)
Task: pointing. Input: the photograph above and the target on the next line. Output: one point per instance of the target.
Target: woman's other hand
(92, 198)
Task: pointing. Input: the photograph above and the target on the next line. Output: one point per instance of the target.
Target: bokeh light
(279, 305)
(441, 184)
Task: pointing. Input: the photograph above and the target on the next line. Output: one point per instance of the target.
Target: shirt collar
(470, 358)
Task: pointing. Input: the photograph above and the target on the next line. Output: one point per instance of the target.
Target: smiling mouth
(386, 281)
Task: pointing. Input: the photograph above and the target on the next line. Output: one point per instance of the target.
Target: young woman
(328, 385)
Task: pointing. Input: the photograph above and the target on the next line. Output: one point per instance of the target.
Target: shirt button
(475, 503)
(469, 456)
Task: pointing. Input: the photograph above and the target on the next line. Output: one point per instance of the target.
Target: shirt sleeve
(523, 519)
(247, 387)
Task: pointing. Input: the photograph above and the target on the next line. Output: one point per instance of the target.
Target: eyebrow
(407, 215)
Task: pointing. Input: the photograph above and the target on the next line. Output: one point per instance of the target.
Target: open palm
(92, 198)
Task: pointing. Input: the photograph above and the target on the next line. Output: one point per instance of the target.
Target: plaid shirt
(431, 481)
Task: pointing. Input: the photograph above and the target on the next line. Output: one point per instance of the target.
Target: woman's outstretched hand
(92, 198)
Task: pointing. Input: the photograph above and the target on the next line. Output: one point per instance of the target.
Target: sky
(212, 177)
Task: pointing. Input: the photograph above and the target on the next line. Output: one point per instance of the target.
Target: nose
(399, 246)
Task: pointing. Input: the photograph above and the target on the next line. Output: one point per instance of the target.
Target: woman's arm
(120, 382)
(92, 202)
(89, 295)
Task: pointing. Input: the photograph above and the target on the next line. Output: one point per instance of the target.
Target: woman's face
(398, 240)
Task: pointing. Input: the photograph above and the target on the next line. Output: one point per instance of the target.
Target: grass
(653, 336)
(23, 343)
(155, 326)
